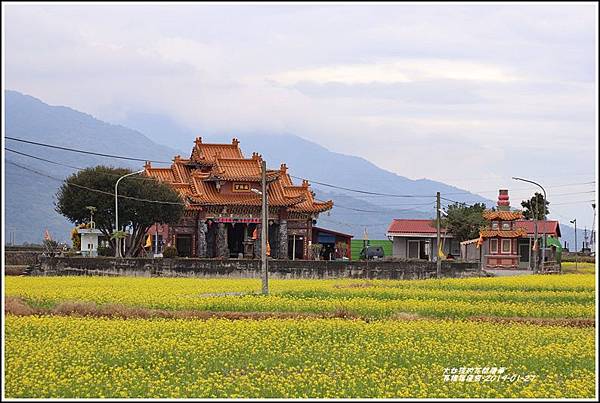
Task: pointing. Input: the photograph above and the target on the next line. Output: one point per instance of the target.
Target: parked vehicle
(372, 252)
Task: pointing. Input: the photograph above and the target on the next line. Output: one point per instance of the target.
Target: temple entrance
(183, 243)
(236, 234)
(211, 236)
(273, 237)
(295, 247)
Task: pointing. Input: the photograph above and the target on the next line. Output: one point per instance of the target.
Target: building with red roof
(417, 239)
(223, 210)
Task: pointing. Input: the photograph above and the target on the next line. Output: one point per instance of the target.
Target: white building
(89, 241)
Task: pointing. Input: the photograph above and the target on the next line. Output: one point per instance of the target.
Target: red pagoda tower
(501, 235)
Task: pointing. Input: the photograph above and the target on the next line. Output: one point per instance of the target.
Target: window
(494, 224)
(506, 246)
(506, 225)
(494, 245)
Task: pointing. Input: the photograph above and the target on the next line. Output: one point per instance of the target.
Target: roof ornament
(304, 183)
(198, 141)
(147, 165)
(177, 158)
(503, 200)
(235, 141)
(283, 168)
(256, 156)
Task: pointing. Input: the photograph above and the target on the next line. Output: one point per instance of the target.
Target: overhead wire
(84, 151)
(92, 189)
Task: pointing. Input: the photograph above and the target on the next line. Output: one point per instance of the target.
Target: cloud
(391, 72)
(433, 91)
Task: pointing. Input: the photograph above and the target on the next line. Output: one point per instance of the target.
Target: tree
(464, 222)
(96, 187)
(535, 208)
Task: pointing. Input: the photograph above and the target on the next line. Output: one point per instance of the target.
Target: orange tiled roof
(514, 233)
(208, 153)
(196, 178)
(502, 215)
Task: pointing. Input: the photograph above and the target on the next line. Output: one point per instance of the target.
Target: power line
(85, 152)
(358, 190)
(574, 202)
(71, 166)
(379, 211)
(92, 189)
(42, 159)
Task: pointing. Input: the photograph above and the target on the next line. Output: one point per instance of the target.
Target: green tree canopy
(96, 186)
(535, 208)
(464, 222)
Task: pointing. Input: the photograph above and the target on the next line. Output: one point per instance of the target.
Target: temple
(502, 235)
(223, 207)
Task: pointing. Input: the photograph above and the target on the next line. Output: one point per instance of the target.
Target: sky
(467, 94)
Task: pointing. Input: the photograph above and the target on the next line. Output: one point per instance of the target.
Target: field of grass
(396, 340)
(357, 245)
(582, 267)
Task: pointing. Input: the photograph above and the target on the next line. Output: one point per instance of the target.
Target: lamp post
(574, 221)
(118, 240)
(263, 232)
(544, 216)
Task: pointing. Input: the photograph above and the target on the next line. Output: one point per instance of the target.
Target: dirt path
(17, 306)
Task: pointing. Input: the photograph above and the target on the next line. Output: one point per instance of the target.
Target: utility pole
(264, 232)
(117, 239)
(593, 233)
(543, 215)
(574, 221)
(439, 235)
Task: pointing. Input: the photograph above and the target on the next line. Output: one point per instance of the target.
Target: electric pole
(439, 235)
(264, 232)
(574, 221)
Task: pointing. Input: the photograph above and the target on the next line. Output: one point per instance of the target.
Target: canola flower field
(565, 296)
(371, 355)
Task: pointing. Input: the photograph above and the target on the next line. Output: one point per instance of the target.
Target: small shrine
(502, 234)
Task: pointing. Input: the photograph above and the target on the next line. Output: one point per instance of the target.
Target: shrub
(105, 251)
(169, 251)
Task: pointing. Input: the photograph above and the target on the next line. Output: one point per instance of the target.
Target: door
(523, 256)
(183, 243)
(413, 249)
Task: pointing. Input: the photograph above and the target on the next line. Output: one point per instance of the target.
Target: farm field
(565, 296)
(349, 338)
(582, 267)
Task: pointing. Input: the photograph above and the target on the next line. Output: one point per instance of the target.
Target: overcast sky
(466, 94)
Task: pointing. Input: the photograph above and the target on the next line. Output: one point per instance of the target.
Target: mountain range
(365, 195)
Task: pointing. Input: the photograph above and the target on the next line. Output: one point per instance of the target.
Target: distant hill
(30, 196)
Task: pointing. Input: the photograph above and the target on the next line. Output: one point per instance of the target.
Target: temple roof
(502, 215)
(199, 178)
(513, 233)
(208, 153)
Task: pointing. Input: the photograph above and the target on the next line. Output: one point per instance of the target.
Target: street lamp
(574, 221)
(544, 212)
(263, 229)
(118, 240)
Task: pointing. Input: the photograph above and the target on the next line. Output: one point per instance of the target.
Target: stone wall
(278, 269)
(21, 257)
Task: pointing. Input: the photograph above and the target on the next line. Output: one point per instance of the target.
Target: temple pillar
(201, 246)
(222, 246)
(283, 239)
